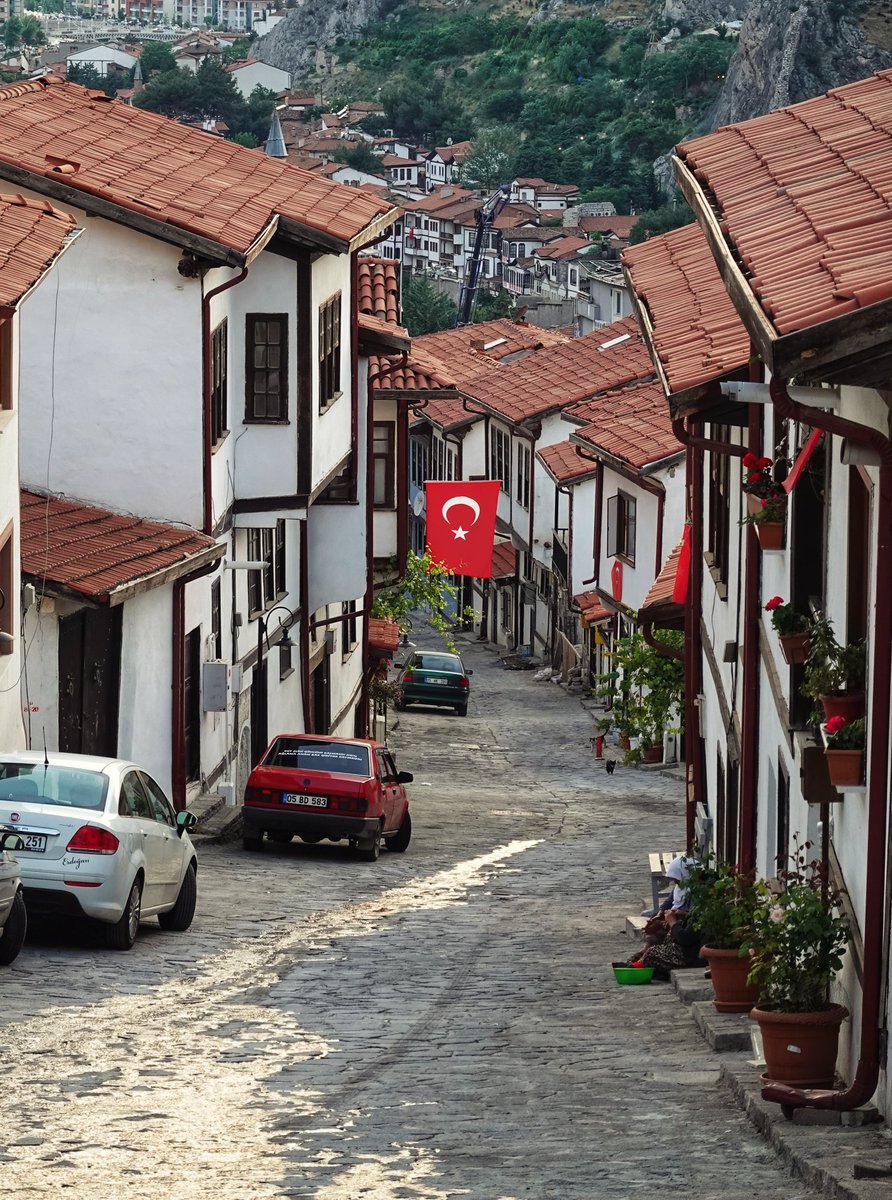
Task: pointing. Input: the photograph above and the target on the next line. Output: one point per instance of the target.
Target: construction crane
(484, 218)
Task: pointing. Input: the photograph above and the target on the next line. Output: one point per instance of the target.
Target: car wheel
(179, 918)
(13, 936)
(252, 841)
(311, 838)
(122, 934)
(461, 710)
(370, 849)
(281, 838)
(400, 840)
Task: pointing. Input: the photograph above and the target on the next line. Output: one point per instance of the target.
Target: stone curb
(222, 824)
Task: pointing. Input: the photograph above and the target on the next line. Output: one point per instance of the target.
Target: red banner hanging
(683, 569)
(802, 459)
(461, 525)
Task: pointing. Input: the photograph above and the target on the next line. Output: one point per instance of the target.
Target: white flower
(776, 913)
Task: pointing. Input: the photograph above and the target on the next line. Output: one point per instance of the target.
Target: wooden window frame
(622, 527)
(524, 470)
(7, 395)
(266, 587)
(388, 502)
(252, 414)
(219, 382)
(718, 508)
(329, 351)
(349, 632)
(7, 588)
(500, 457)
(217, 619)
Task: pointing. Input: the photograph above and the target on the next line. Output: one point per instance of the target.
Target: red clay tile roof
(544, 185)
(382, 334)
(632, 425)
(565, 464)
(664, 585)
(697, 333)
(32, 233)
(621, 226)
(591, 607)
(163, 170)
(805, 202)
(444, 197)
(563, 247)
(566, 374)
(379, 288)
(445, 413)
(383, 634)
(504, 560)
(93, 552)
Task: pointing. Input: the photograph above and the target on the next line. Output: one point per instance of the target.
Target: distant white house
(251, 73)
(102, 59)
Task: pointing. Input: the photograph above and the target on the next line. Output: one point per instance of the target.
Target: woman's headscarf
(677, 869)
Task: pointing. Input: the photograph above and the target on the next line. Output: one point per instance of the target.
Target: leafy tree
(425, 308)
(660, 220)
(173, 94)
(259, 109)
(427, 113)
(246, 139)
(492, 305)
(87, 76)
(491, 162)
(156, 58)
(425, 585)
(361, 157)
(238, 50)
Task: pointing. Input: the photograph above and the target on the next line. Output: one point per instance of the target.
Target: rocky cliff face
(790, 52)
(701, 14)
(298, 43)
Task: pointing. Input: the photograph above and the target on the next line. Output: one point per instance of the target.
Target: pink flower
(773, 603)
(834, 724)
(777, 914)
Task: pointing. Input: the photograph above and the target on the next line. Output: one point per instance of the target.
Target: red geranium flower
(773, 603)
(754, 476)
(749, 460)
(834, 724)
(763, 463)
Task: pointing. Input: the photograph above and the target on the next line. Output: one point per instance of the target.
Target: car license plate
(36, 842)
(430, 679)
(310, 801)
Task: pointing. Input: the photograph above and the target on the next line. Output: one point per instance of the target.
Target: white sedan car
(100, 839)
(13, 914)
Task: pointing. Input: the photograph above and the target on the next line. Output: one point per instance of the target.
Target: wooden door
(192, 702)
(90, 681)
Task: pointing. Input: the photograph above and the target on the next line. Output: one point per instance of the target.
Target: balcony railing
(559, 553)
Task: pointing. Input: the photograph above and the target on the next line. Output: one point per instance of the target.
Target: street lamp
(259, 714)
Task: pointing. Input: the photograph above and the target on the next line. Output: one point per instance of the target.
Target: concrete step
(723, 1031)
(691, 985)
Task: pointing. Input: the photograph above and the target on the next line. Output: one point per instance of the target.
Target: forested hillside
(577, 101)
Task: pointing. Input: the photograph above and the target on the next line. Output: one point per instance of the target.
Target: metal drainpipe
(207, 387)
(749, 717)
(178, 683)
(863, 1086)
(304, 631)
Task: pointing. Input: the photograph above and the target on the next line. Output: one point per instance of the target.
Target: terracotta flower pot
(625, 742)
(771, 534)
(845, 767)
(753, 504)
(729, 973)
(801, 1048)
(795, 646)
(653, 754)
(848, 705)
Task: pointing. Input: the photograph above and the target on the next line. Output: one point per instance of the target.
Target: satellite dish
(418, 504)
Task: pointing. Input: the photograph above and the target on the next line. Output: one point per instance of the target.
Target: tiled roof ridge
(32, 85)
(42, 206)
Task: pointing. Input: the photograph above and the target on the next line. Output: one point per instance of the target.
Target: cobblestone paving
(441, 1024)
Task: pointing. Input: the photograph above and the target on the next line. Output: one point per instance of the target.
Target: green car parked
(434, 677)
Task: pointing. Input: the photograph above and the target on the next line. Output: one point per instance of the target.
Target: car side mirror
(469, 672)
(404, 777)
(185, 820)
(399, 666)
(9, 840)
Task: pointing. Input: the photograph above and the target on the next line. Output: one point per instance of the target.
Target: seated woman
(670, 941)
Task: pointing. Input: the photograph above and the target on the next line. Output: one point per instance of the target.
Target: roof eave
(155, 579)
(623, 465)
(70, 239)
(134, 218)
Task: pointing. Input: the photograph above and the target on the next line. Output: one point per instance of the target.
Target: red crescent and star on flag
(461, 525)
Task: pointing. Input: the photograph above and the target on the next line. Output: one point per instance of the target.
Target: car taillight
(357, 807)
(255, 795)
(464, 681)
(409, 676)
(91, 839)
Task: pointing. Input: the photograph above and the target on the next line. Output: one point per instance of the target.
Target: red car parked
(326, 787)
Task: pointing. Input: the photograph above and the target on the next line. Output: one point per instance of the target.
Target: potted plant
(845, 750)
(797, 942)
(791, 628)
(723, 900)
(766, 501)
(834, 674)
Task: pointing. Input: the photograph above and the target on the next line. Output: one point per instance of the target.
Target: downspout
(354, 373)
(304, 631)
(647, 632)
(369, 559)
(402, 483)
(207, 387)
(178, 683)
(863, 1086)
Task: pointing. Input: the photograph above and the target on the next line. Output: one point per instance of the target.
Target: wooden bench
(659, 860)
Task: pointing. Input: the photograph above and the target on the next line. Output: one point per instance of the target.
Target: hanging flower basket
(794, 647)
(770, 534)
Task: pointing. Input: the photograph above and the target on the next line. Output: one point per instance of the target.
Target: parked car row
(91, 837)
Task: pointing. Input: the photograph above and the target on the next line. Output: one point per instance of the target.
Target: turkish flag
(461, 525)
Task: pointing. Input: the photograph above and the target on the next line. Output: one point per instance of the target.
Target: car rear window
(334, 757)
(437, 662)
(31, 783)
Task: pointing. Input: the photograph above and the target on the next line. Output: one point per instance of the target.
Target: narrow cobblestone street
(442, 1023)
